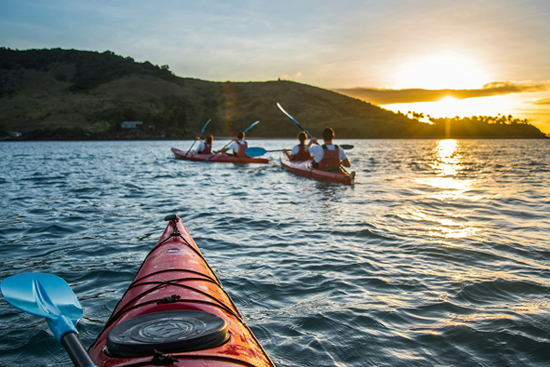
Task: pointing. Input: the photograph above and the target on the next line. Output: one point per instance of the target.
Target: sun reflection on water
(446, 185)
(448, 158)
(447, 165)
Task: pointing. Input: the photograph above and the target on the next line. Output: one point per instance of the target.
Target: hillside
(69, 94)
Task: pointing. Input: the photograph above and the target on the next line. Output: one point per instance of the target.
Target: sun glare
(451, 107)
(441, 71)
(450, 71)
(447, 185)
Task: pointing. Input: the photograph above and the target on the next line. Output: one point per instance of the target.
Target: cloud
(390, 96)
(542, 102)
(291, 77)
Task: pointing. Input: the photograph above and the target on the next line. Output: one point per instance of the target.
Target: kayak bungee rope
(176, 312)
(216, 281)
(161, 359)
(220, 305)
(138, 282)
(172, 218)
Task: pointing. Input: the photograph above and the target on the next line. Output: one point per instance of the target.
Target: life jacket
(242, 149)
(303, 154)
(206, 150)
(331, 159)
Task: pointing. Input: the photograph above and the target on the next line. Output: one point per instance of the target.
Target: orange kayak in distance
(305, 169)
(223, 158)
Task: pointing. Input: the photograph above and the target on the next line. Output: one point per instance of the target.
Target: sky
(439, 57)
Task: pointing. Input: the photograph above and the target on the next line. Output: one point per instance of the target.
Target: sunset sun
(368, 179)
(441, 71)
(451, 107)
(447, 71)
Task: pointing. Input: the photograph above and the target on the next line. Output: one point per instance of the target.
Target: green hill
(70, 94)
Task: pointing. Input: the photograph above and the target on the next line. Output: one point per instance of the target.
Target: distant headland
(56, 94)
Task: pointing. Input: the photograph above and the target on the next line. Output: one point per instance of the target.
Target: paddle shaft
(186, 153)
(293, 120)
(50, 297)
(76, 350)
(203, 128)
(257, 151)
(226, 145)
(344, 146)
(215, 154)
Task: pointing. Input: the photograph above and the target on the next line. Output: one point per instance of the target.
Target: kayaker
(328, 157)
(238, 146)
(205, 147)
(299, 152)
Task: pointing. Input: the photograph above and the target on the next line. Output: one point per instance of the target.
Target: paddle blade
(283, 111)
(205, 125)
(255, 151)
(293, 119)
(346, 146)
(44, 295)
(251, 126)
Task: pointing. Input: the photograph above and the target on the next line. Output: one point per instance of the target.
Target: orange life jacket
(242, 149)
(331, 158)
(206, 150)
(303, 154)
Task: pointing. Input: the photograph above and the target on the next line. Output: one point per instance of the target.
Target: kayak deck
(223, 158)
(174, 292)
(305, 169)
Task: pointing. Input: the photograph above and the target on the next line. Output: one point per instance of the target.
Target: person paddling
(328, 157)
(205, 147)
(238, 146)
(300, 152)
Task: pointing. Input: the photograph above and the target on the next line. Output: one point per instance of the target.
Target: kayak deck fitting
(224, 158)
(305, 169)
(176, 313)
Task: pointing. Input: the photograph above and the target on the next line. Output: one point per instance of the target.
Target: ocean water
(439, 255)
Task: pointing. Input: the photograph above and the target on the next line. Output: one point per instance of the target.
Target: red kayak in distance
(224, 158)
(305, 169)
(176, 313)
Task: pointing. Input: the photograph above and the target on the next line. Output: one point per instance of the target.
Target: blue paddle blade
(255, 151)
(44, 295)
(251, 126)
(293, 120)
(205, 125)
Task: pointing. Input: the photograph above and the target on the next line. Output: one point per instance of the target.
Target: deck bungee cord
(175, 289)
(175, 312)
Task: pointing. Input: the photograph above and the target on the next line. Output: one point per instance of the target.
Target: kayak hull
(305, 169)
(223, 158)
(175, 281)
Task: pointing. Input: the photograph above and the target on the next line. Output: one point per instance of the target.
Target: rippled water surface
(439, 255)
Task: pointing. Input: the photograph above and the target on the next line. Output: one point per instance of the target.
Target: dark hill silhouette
(70, 94)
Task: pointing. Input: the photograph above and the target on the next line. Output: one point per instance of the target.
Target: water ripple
(437, 256)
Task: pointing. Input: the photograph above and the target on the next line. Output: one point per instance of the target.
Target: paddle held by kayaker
(328, 157)
(299, 152)
(238, 146)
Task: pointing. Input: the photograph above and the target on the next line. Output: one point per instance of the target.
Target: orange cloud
(390, 96)
(542, 102)
(290, 77)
